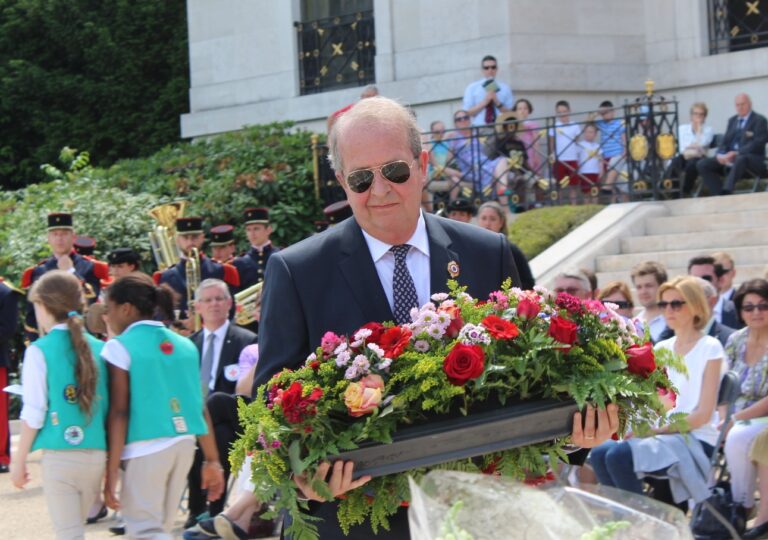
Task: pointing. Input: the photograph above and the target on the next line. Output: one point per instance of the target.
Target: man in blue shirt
(488, 97)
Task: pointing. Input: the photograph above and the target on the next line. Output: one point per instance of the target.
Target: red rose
(499, 328)
(563, 330)
(463, 363)
(377, 329)
(528, 308)
(295, 407)
(166, 347)
(640, 359)
(394, 341)
(456, 322)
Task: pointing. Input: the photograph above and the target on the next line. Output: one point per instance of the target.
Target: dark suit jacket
(9, 319)
(329, 282)
(730, 316)
(717, 330)
(235, 341)
(751, 139)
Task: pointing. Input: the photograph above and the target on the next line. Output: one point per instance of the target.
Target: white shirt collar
(220, 332)
(419, 240)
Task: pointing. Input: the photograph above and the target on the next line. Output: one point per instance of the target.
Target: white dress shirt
(417, 262)
(218, 343)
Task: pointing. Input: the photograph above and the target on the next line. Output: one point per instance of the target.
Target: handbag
(718, 517)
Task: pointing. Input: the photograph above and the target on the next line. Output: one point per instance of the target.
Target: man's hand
(591, 435)
(212, 479)
(339, 483)
(64, 263)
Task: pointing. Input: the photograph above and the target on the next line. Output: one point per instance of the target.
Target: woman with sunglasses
(622, 464)
(747, 355)
(617, 292)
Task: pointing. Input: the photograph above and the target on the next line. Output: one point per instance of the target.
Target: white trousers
(71, 482)
(152, 488)
(743, 471)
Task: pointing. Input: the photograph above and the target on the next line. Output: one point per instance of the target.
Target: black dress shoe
(755, 533)
(102, 514)
(118, 530)
(191, 522)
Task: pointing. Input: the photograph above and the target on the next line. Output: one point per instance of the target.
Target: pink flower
(364, 396)
(329, 342)
(594, 306)
(668, 398)
(528, 307)
(500, 300)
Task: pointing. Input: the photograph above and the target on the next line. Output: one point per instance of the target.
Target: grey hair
(576, 274)
(207, 284)
(369, 91)
(374, 111)
(707, 287)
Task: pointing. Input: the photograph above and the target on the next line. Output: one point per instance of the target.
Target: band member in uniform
(9, 317)
(85, 245)
(61, 238)
(123, 261)
(251, 266)
(189, 234)
(223, 243)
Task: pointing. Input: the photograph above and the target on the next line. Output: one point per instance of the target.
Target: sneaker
(204, 530)
(228, 529)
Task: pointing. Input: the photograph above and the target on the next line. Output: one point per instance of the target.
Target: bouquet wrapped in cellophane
(458, 356)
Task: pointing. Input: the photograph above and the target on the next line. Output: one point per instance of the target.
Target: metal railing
(736, 25)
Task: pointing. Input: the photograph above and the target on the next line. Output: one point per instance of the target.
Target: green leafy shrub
(536, 230)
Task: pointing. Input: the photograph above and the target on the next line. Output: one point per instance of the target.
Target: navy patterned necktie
(403, 289)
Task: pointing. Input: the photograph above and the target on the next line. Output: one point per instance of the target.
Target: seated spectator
(528, 132)
(707, 269)
(486, 98)
(726, 275)
(563, 141)
(442, 178)
(759, 455)
(617, 292)
(467, 151)
(623, 464)
(509, 154)
(742, 150)
(747, 354)
(493, 217)
(647, 277)
(693, 140)
(580, 283)
(713, 328)
(461, 210)
(590, 164)
(612, 144)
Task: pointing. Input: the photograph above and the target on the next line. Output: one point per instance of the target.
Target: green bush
(536, 230)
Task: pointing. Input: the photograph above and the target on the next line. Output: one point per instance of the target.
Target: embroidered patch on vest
(74, 435)
(70, 394)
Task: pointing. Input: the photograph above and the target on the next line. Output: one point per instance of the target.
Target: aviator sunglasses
(397, 172)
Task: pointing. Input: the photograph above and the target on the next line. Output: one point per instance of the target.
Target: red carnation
(640, 359)
(528, 308)
(394, 341)
(563, 330)
(377, 330)
(166, 347)
(296, 407)
(463, 363)
(499, 328)
(456, 321)
(569, 302)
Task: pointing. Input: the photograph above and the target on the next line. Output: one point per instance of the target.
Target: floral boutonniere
(453, 269)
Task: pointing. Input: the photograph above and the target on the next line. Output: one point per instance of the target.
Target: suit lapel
(357, 267)
(440, 255)
(226, 352)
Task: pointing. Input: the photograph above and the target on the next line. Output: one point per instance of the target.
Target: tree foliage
(110, 76)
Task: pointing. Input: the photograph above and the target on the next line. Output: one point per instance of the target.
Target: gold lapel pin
(453, 269)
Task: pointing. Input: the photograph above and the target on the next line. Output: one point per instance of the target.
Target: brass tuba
(162, 236)
(245, 303)
(193, 281)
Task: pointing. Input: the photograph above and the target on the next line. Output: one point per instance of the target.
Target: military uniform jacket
(9, 314)
(88, 270)
(176, 277)
(252, 265)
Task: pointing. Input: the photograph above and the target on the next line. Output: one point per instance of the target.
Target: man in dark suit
(9, 318)
(375, 266)
(220, 343)
(742, 149)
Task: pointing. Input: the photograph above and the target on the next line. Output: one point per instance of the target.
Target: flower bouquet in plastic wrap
(479, 385)
(449, 505)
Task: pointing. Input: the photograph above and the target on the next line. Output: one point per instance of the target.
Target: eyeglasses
(461, 118)
(397, 172)
(573, 291)
(676, 305)
(749, 308)
(489, 67)
(709, 278)
(213, 299)
(622, 304)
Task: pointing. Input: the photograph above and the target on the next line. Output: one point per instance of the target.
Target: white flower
(378, 351)
(443, 318)
(351, 373)
(384, 364)
(435, 331)
(447, 303)
(414, 313)
(363, 333)
(421, 345)
(312, 357)
(342, 359)
(543, 291)
(439, 297)
(472, 334)
(361, 363)
(357, 343)
(341, 348)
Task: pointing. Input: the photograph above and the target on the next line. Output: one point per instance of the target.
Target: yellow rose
(364, 396)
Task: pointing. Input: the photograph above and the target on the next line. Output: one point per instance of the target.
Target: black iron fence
(336, 52)
(736, 25)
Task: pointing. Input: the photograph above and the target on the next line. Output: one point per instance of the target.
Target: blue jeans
(613, 466)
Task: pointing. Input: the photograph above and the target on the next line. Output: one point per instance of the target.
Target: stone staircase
(682, 229)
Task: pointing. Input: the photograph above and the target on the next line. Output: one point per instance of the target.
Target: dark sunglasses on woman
(676, 305)
(749, 308)
(397, 172)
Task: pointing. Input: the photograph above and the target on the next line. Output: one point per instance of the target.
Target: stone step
(743, 273)
(718, 205)
(707, 222)
(744, 255)
(696, 240)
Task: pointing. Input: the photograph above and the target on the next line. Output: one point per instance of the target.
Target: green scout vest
(66, 427)
(166, 393)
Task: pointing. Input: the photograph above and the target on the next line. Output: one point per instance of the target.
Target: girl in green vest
(65, 404)
(156, 410)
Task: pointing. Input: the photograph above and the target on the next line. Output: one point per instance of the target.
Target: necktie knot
(400, 251)
(403, 289)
